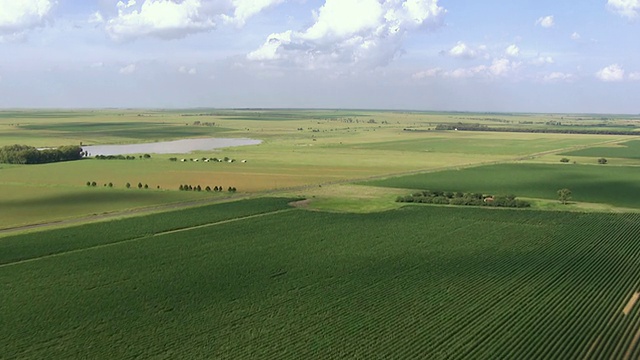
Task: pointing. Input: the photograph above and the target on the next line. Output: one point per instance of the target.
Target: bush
(564, 160)
(128, 185)
(602, 161)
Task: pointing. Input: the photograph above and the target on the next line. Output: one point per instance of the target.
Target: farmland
(300, 149)
(420, 281)
(313, 257)
(589, 183)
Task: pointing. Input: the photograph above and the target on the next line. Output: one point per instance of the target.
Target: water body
(168, 147)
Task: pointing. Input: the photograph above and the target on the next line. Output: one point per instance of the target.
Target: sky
(556, 56)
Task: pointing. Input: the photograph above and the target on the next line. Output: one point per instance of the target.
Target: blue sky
(493, 55)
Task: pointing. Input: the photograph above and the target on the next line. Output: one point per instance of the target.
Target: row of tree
(24, 154)
(121, 157)
(481, 127)
(127, 185)
(458, 198)
(208, 188)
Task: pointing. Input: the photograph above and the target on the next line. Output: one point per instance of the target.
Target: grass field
(628, 150)
(416, 282)
(614, 185)
(301, 148)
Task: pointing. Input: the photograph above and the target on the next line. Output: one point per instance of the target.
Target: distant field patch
(589, 183)
(489, 144)
(127, 130)
(626, 150)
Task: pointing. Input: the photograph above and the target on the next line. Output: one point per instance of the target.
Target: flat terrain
(300, 149)
(417, 282)
(312, 258)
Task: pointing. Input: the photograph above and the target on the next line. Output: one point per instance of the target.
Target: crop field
(628, 150)
(614, 185)
(430, 282)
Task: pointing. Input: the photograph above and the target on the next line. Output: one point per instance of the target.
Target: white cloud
(244, 9)
(97, 65)
(611, 73)
(502, 67)
(17, 17)
(625, 8)
(127, 70)
(512, 50)
(546, 21)
(499, 68)
(576, 36)
(160, 18)
(186, 70)
(173, 19)
(462, 50)
(634, 76)
(558, 76)
(352, 32)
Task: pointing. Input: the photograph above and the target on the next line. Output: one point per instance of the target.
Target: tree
(602, 161)
(128, 185)
(564, 160)
(564, 195)
(139, 185)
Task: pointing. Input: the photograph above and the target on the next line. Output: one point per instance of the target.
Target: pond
(183, 146)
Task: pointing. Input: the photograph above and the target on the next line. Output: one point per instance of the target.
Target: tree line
(458, 198)
(24, 154)
(480, 127)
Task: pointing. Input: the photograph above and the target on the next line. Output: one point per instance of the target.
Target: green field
(613, 185)
(627, 150)
(427, 282)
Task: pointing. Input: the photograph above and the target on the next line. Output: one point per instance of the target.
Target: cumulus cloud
(373, 37)
(127, 70)
(625, 8)
(611, 73)
(462, 50)
(160, 18)
(512, 50)
(17, 17)
(497, 69)
(546, 21)
(244, 9)
(174, 19)
(576, 36)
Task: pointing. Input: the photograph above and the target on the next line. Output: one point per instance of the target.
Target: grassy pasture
(416, 282)
(614, 185)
